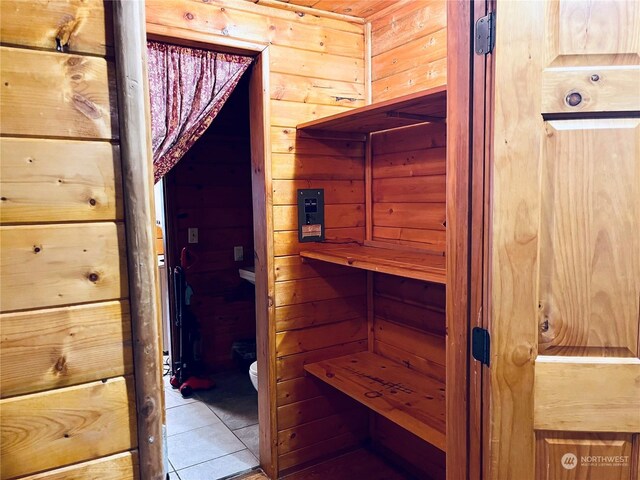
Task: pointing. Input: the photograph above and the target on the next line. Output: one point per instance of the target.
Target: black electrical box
(311, 215)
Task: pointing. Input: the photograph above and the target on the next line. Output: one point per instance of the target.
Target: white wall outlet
(238, 253)
(193, 235)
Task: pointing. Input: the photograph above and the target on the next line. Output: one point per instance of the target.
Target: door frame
(468, 117)
(262, 216)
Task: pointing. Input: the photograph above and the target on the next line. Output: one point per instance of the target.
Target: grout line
(218, 458)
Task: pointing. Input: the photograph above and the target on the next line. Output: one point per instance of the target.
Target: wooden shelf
(405, 397)
(427, 106)
(411, 264)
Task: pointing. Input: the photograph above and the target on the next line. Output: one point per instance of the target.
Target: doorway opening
(206, 218)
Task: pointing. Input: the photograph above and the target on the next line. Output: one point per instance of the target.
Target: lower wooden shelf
(412, 400)
(410, 264)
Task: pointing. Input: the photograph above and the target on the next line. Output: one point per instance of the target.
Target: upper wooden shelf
(411, 264)
(427, 106)
(412, 400)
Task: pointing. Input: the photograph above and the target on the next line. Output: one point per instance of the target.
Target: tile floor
(214, 434)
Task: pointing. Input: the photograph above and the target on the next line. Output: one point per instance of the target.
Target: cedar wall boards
(68, 403)
(210, 189)
(317, 68)
(408, 196)
(408, 48)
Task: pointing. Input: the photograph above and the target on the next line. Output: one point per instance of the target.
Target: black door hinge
(481, 345)
(485, 34)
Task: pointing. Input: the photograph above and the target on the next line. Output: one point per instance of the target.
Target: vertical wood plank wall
(409, 48)
(210, 189)
(66, 381)
(316, 69)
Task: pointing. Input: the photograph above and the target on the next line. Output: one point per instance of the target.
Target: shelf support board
(415, 116)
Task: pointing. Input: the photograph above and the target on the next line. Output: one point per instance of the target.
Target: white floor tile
(189, 417)
(220, 467)
(201, 445)
(173, 476)
(236, 412)
(250, 436)
(173, 398)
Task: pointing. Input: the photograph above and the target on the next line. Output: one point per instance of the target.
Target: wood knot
(4, 199)
(188, 16)
(522, 355)
(573, 99)
(60, 367)
(73, 61)
(86, 107)
(93, 277)
(66, 29)
(148, 408)
(37, 249)
(92, 202)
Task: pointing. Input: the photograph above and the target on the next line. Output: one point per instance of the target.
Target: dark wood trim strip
(459, 75)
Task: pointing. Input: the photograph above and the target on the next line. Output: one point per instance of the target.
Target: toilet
(253, 374)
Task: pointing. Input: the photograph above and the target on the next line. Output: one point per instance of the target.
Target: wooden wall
(409, 186)
(409, 324)
(408, 48)
(210, 189)
(317, 68)
(66, 381)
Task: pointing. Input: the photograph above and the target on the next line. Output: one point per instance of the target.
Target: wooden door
(565, 241)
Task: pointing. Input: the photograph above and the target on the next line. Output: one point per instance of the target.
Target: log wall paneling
(70, 263)
(409, 48)
(57, 347)
(80, 26)
(53, 180)
(122, 466)
(39, 86)
(68, 407)
(49, 429)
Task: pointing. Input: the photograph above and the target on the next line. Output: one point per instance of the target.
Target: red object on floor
(174, 382)
(194, 383)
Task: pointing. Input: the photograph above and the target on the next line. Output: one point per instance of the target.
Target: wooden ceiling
(355, 8)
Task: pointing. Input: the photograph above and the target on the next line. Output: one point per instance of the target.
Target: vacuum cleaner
(184, 368)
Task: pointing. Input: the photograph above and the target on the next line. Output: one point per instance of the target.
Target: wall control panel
(311, 215)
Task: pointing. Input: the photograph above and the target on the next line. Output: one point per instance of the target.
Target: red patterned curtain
(188, 88)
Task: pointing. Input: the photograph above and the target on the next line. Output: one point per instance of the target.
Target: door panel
(565, 244)
(605, 31)
(608, 399)
(583, 456)
(589, 264)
